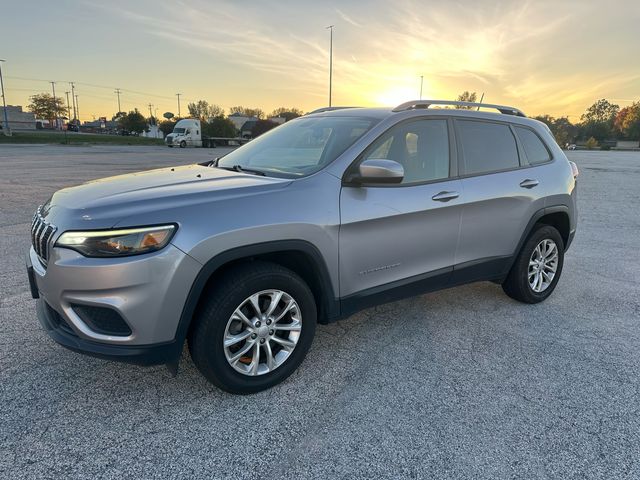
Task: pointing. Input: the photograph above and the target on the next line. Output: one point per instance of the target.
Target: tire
(517, 284)
(183, 144)
(213, 324)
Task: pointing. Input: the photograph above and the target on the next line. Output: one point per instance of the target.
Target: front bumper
(147, 292)
(146, 355)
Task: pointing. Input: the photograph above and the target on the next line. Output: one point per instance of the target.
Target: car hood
(103, 203)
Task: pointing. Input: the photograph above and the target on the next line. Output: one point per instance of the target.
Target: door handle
(529, 183)
(445, 196)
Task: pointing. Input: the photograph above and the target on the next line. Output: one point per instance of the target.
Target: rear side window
(487, 147)
(533, 147)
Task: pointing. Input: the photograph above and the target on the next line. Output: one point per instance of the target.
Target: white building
(18, 120)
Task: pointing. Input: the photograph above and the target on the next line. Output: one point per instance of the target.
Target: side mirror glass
(380, 171)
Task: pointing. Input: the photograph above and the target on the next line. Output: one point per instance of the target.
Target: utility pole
(78, 110)
(117, 92)
(5, 129)
(178, 95)
(150, 114)
(55, 103)
(481, 98)
(330, 28)
(73, 99)
(68, 106)
(421, 82)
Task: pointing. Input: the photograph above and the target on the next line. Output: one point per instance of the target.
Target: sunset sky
(553, 57)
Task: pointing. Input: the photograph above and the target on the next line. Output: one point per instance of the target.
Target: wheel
(254, 328)
(536, 271)
(183, 144)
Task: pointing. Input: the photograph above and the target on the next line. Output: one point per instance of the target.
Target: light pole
(68, 106)
(55, 103)
(178, 95)
(118, 93)
(330, 28)
(421, 81)
(73, 99)
(6, 129)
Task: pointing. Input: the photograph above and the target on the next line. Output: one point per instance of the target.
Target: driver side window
(420, 146)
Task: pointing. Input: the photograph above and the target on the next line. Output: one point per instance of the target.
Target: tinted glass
(487, 147)
(534, 149)
(299, 147)
(421, 147)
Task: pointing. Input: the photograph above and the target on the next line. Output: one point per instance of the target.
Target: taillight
(574, 169)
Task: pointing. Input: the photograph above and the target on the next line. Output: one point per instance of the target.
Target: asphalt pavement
(463, 383)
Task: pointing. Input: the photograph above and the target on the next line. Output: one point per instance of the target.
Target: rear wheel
(254, 329)
(536, 271)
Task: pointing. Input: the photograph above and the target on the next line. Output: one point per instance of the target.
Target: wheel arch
(299, 256)
(557, 216)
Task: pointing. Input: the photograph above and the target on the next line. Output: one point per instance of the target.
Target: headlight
(118, 243)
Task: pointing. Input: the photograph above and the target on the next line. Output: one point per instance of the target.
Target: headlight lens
(118, 243)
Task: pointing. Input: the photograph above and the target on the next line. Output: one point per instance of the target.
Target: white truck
(188, 133)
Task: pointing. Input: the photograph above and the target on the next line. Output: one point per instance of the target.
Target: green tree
(627, 122)
(597, 121)
(247, 112)
(591, 143)
(466, 97)
(133, 121)
(44, 106)
(219, 127)
(562, 129)
(204, 110)
(166, 126)
(287, 113)
(261, 127)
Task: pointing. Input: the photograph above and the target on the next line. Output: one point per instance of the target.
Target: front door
(396, 236)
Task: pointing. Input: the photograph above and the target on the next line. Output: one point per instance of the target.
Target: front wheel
(183, 144)
(254, 329)
(536, 271)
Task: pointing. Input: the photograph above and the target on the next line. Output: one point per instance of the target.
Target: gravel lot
(464, 383)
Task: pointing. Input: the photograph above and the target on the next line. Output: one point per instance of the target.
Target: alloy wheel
(262, 332)
(543, 265)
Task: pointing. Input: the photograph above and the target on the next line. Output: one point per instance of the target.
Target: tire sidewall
(223, 374)
(542, 233)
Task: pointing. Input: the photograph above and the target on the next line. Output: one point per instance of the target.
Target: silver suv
(328, 214)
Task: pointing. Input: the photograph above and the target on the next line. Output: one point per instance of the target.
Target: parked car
(571, 146)
(323, 216)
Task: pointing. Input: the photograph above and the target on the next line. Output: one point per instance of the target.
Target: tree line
(601, 123)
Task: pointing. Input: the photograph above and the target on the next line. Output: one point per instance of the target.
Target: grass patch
(73, 138)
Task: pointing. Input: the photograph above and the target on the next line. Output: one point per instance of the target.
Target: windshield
(299, 147)
(178, 130)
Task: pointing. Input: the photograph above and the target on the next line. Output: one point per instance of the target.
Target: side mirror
(381, 171)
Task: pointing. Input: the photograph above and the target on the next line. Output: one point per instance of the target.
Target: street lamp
(330, 28)
(7, 130)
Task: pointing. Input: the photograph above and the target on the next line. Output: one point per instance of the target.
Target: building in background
(239, 120)
(18, 120)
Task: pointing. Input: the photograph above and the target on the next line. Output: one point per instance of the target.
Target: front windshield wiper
(241, 169)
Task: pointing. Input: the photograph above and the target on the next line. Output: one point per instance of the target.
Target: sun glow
(397, 95)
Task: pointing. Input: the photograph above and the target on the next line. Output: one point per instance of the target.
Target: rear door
(500, 195)
(404, 233)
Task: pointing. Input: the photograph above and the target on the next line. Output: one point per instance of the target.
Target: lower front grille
(41, 233)
(59, 321)
(102, 320)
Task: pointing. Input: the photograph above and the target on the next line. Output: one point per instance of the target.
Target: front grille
(41, 233)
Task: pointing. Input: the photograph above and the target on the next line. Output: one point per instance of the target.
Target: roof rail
(417, 104)
(327, 109)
